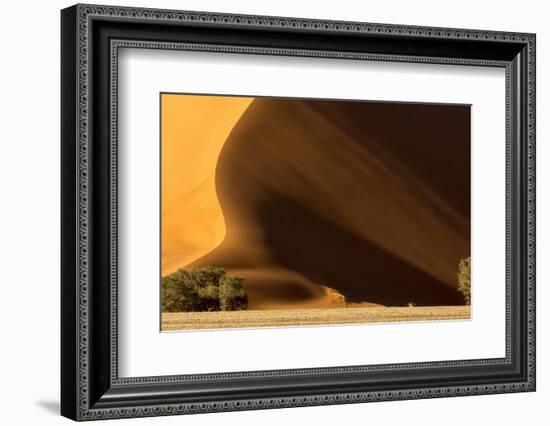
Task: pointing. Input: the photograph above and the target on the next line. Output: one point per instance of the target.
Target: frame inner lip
(115, 45)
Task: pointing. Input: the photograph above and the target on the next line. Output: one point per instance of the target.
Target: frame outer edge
(69, 287)
(83, 13)
(531, 199)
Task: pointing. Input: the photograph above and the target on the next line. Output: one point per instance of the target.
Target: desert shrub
(202, 289)
(464, 279)
(232, 295)
(179, 292)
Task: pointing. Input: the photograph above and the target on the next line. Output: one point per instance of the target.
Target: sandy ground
(297, 317)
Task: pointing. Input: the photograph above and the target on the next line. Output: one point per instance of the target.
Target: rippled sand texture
(370, 199)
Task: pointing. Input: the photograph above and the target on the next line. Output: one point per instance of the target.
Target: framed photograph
(263, 212)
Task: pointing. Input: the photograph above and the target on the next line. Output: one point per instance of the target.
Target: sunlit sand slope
(194, 129)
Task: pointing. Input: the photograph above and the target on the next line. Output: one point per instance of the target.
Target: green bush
(202, 289)
(464, 270)
(231, 294)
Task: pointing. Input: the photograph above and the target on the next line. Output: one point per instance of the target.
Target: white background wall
(29, 211)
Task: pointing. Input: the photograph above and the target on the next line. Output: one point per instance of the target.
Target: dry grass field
(296, 317)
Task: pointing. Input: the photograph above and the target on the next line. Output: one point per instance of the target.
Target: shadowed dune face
(371, 199)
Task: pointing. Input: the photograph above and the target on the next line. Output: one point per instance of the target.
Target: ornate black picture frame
(91, 36)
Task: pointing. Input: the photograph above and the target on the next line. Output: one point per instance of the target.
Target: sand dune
(194, 129)
(369, 199)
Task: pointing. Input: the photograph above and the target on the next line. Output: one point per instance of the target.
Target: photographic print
(287, 212)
